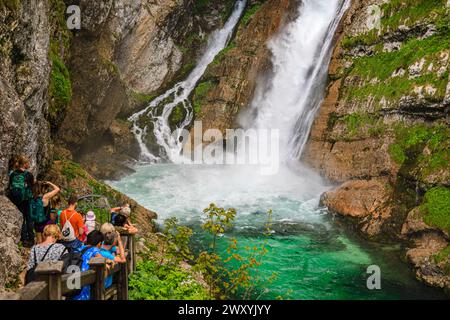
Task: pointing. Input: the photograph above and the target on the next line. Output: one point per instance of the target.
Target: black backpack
(30, 276)
(73, 258)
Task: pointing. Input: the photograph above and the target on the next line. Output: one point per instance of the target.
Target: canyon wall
(383, 129)
(228, 84)
(124, 55)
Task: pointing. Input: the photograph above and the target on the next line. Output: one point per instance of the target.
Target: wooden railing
(52, 284)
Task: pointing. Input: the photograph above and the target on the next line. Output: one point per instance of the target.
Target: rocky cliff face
(383, 128)
(24, 80)
(229, 82)
(126, 52)
(24, 70)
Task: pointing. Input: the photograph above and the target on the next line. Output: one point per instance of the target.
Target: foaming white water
(185, 190)
(179, 94)
(301, 54)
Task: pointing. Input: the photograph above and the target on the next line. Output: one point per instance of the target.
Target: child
(90, 221)
(55, 210)
(83, 237)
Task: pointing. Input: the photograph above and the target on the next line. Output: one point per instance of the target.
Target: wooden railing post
(122, 283)
(98, 288)
(50, 272)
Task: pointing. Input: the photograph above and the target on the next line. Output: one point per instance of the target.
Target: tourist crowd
(54, 233)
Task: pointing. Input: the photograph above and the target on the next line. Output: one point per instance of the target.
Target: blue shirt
(85, 293)
(108, 254)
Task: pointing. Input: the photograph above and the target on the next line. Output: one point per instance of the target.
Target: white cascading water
(301, 55)
(180, 93)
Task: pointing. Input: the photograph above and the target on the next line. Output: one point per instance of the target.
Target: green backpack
(37, 211)
(19, 187)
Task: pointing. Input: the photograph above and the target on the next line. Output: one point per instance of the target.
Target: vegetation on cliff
(436, 208)
(60, 86)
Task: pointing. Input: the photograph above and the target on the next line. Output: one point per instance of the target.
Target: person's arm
(50, 194)
(80, 226)
(121, 258)
(131, 229)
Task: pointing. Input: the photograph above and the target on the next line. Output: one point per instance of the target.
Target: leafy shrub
(164, 282)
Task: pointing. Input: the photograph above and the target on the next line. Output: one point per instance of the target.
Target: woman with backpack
(20, 184)
(39, 205)
(48, 250)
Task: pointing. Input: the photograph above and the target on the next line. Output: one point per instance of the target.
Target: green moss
(111, 66)
(397, 153)
(436, 208)
(409, 12)
(219, 57)
(142, 97)
(178, 114)
(412, 140)
(442, 255)
(200, 93)
(72, 170)
(249, 14)
(10, 4)
(382, 65)
(362, 123)
(60, 87)
(402, 12)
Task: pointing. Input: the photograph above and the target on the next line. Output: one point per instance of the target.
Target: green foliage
(176, 245)
(60, 87)
(383, 64)
(142, 97)
(222, 53)
(164, 282)
(200, 93)
(411, 141)
(409, 12)
(178, 114)
(249, 14)
(442, 255)
(10, 4)
(72, 170)
(436, 208)
(402, 12)
(235, 275)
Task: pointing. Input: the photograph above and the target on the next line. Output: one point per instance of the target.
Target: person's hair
(52, 230)
(73, 199)
(55, 202)
(22, 161)
(120, 220)
(109, 238)
(94, 238)
(107, 227)
(38, 189)
(13, 163)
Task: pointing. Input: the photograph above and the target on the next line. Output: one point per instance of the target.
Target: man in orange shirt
(72, 225)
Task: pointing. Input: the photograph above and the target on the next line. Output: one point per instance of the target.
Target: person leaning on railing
(120, 217)
(48, 250)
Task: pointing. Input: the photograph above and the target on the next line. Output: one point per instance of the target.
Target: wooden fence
(52, 284)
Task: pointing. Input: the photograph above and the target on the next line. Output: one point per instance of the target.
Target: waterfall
(179, 94)
(287, 101)
(301, 54)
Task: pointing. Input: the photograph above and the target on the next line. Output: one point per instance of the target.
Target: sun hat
(90, 216)
(125, 211)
